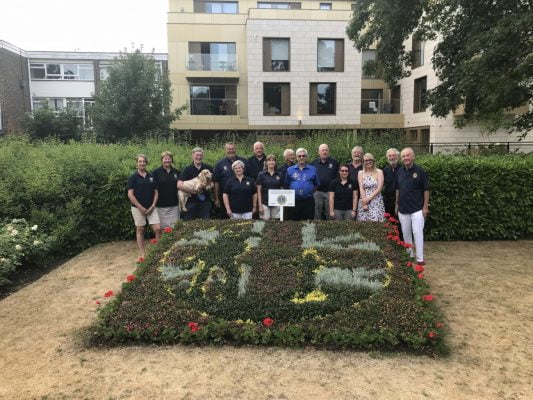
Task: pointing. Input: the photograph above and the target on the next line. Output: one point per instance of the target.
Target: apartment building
(276, 65)
(28, 79)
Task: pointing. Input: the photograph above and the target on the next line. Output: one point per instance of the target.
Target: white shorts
(247, 215)
(168, 216)
(140, 219)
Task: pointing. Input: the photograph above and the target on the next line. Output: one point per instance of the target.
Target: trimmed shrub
(321, 283)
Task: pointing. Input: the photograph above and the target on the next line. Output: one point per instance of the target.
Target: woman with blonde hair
(269, 178)
(370, 178)
(240, 194)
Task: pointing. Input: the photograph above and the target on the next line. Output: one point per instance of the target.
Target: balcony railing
(379, 106)
(211, 62)
(213, 106)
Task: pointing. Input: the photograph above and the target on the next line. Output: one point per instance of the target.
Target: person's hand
(149, 210)
(142, 210)
(254, 210)
(365, 207)
(332, 214)
(261, 208)
(217, 203)
(230, 214)
(425, 212)
(353, 214)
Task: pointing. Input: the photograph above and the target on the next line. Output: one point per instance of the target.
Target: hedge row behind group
(77, 191)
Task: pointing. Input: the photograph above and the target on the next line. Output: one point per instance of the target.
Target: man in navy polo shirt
(256, 163)
(412, 202)
(199, 204)
(389, 174)
(327, 169)
(303, 179)
(223, 172)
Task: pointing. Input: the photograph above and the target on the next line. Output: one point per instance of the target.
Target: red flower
(140, 259)
(420, 276)
(432, 335)
(419, 268)
(268, 322)
(408, 245)
(401, 243)
(409, 264)
(439, 325)
(393, 220)
(389, 236)
(386, 215)
(428, 297)
(153, 241)
(131, 278)
(97, 302)
(193, 326)
(129, 327)
(396, 238)
(108, 293)
(168, 229)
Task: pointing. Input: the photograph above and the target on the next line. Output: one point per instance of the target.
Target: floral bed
(330, 284)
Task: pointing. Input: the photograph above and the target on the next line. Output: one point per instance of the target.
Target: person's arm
(254, 202)
(425, 208)
(217, 191)
(397, 201)
(225, 199)
(354, 203)
(331, 206)
(364, 199)
(379, 188)
(134, 201)
(152, 207)
(260, 199)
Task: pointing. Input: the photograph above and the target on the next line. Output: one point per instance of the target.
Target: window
(371, 101)
(216, 7)
(276, 54)
(212, 56)
(276, 99)
(325, 6)
(213, 100)
(395, 99)
(370, 57)
(322, 98)
(80, 105)
(354, 6)
(62, 71)
(418, 53)
(283, 6)
(330, 55)
(420, 95)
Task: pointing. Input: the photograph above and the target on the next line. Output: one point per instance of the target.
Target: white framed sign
(281, 198)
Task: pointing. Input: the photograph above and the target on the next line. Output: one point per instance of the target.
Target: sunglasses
(301, 156)
(344, 170)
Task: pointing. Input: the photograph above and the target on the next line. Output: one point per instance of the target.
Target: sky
(90, 25)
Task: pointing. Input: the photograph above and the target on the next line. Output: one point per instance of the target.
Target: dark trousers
(197, 209)
(303, 210)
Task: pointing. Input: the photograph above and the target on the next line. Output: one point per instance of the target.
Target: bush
(20, 243)
(332, 284)
(63, 125)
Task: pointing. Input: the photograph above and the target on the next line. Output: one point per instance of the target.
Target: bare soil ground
(485, 290)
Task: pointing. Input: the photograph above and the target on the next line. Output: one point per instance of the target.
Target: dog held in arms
(202, 183)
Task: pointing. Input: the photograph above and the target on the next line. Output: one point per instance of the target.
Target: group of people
(324, 189)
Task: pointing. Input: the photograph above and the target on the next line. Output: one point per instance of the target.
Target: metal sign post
(280, 198)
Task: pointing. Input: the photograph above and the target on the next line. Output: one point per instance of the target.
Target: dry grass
(484, 289)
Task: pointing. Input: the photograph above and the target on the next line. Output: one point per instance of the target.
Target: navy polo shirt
(327, 171)
(240, 194)
(143, 188)
(354, 172)
(283, 171)
(223, 170)
(343, 199)
(412, 183)
(167, 185)
(191, 172)
(389, 186)
(303, 182)
(268, 181)
(255, 166)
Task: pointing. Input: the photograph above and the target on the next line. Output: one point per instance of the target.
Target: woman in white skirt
(166, 177)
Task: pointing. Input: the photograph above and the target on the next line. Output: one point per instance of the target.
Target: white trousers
(413, 225)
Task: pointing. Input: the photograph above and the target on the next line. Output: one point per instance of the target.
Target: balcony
(211, 62)
(203, 106)
(379, 106)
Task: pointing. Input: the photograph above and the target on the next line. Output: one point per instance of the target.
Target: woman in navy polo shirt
(270, 178)
(166, 177)
(143, 194)
(343, 196)
(240, 196)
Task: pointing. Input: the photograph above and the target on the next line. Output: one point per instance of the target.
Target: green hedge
(77, 191)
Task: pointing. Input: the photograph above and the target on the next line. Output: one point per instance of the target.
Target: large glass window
(286, 5)
(418, 53)
(276, 54)
(276, 99)
(322, 98)
(330, 55)
(211, 56)
(213, 100)
(216, 7)
(62, 71)
(371, 101)
(419, 104)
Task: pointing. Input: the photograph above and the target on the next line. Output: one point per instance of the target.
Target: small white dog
(202, 183)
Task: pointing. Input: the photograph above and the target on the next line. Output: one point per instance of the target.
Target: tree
(65, 124)
(483, 59)
(134, 101)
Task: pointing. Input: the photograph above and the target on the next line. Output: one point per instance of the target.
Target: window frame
(267, 55)
(338, 55)
(419, 95)
(282, 113)
(313, 95)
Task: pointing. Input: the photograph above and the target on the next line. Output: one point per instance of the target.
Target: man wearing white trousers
(412, 202)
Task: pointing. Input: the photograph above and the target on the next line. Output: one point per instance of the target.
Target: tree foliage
(65, 124)
(134, 101)
(483, 59)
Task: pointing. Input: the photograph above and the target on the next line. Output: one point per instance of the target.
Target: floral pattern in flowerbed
(325, 284)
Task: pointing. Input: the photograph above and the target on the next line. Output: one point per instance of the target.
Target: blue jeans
(197, 209)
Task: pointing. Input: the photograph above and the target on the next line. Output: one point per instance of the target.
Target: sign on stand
(280, 198)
